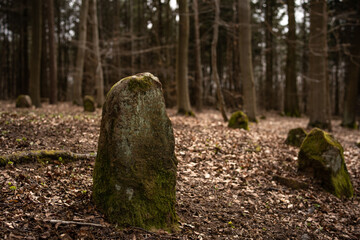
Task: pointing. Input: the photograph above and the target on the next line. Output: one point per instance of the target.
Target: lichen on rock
(323, 156)
(23, 101)
(239, 120)
(135, 169)
(89, 103)
(295, 137)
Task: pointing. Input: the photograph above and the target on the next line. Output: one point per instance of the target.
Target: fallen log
(43, 156)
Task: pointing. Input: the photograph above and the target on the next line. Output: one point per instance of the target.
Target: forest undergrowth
(225, 182)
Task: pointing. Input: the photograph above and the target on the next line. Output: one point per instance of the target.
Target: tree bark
(352, 80)
(79, 68)
(215, 74)
(291, 104)
(319, 114)
(246, 59)
(52, 53)
(198, 68)
(305, 60)
(269, 103)
(183, 99)
(34, 85)
(99, 78)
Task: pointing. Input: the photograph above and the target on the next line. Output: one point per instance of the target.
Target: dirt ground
(225, 187)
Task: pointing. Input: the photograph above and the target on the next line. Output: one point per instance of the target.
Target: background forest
(290, 65)
(63, 50)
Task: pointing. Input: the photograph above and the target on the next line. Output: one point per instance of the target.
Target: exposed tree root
(43, 156)
(290, 183)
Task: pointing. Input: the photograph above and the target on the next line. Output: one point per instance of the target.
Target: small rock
(23, 101)
(305, 237)
(239, 120)
(89, 104)
(295, 137)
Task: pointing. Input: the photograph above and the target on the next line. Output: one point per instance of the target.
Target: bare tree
(291, 104)
(183, 99)
(318, 93)
(214, 70)
(198, 68)
(79, 68)
(36, 23)
(52, 53)
(99, 78)
(269, 10)
(352, 74)
(246, 59)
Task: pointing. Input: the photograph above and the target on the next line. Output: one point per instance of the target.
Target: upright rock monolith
(135, 168)
(89, 103)
(23, 101)
(324, 157)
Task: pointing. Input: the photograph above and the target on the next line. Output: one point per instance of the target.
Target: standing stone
(135, 169)
(23, 101)
(89, 103)
(324, 156)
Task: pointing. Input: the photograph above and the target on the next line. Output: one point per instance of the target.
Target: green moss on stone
(295, 137)
(323, 155)
(293, 113)
(89, 103)
(239, 120)
(186, 113)
(352, 125)
(23, 101)
(135, 170)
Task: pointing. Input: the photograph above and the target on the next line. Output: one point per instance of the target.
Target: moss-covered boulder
(89, 103)
(23, 101)
(323, 156)
(239, 120)
(135, 169)
(295, 137)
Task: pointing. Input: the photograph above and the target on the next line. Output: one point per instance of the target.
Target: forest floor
(225, 187)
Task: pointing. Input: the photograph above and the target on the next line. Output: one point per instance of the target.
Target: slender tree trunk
(99, 78)
(198, 68)
(52, 53)
(352, 81)
(79, 68)
(304, 66)
(132, 37)
(215, 74)
(291, 104)
(34, 85)
(183, 99)
(318, 96)
(269, 103)
(246, 60)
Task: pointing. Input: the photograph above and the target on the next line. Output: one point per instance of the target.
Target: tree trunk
(198, 68)
(183, 99)
(269, 103)
(99, 78)
(305, 60)
(215, 74)
(79, 68)
(34, 85)
(291, 104)
(319, 114)
(246, 59)
(52, 53)
(352, 81)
